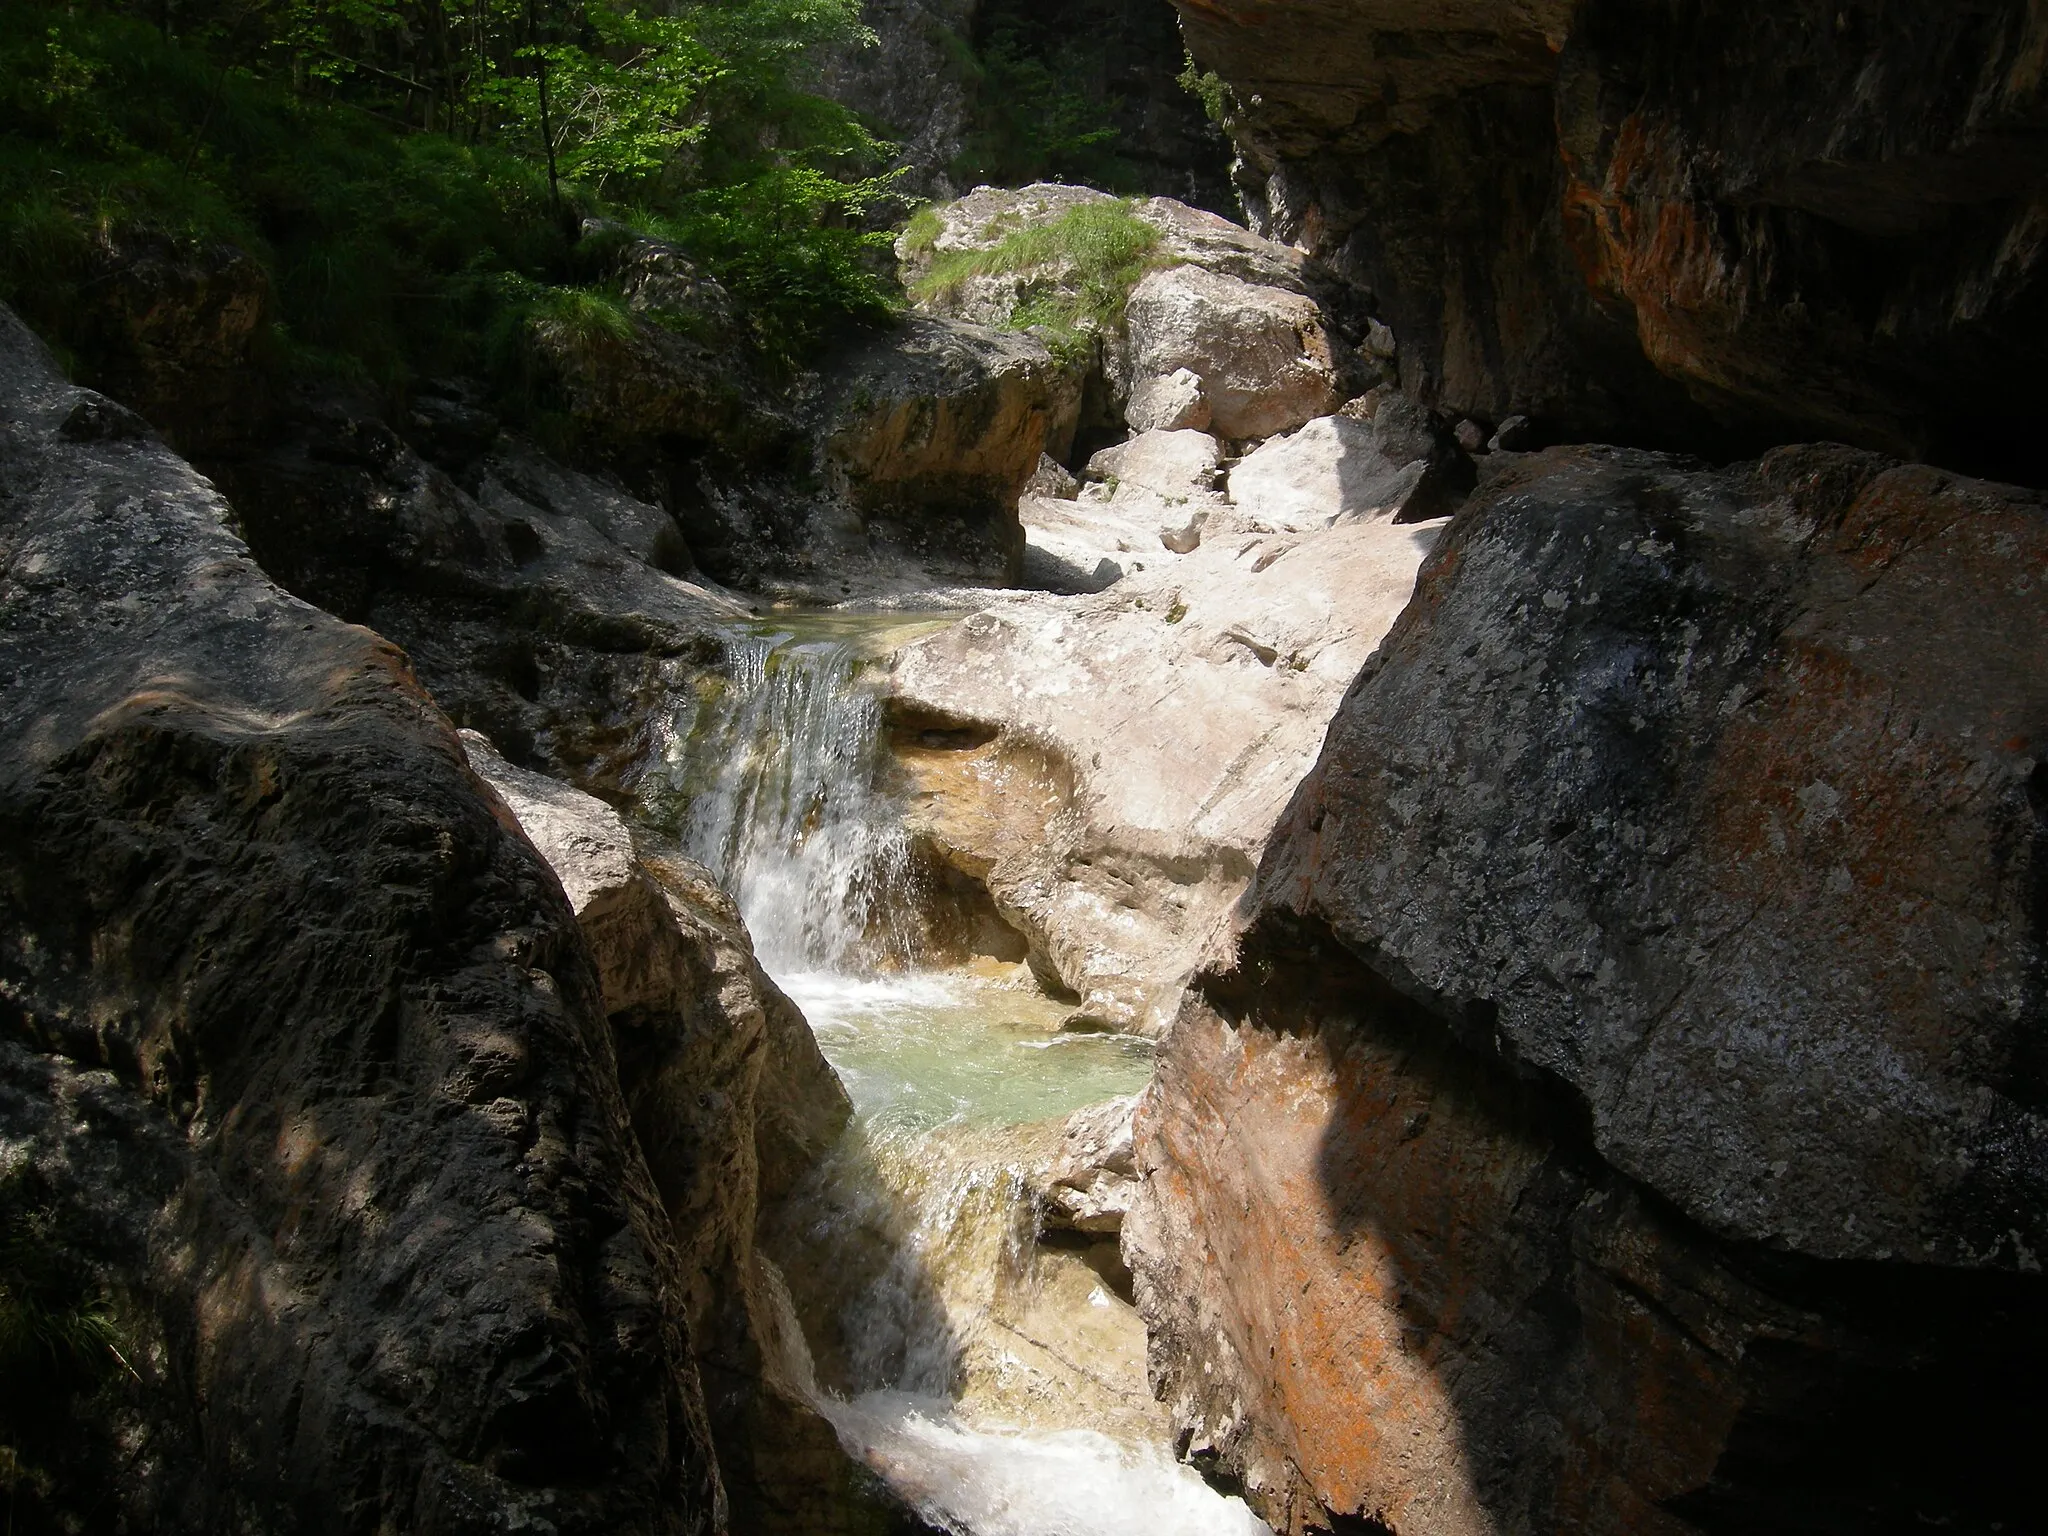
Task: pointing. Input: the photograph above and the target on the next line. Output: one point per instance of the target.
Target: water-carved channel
(992, 1374)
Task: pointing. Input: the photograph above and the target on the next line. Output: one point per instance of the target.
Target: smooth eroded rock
(1131, 751)
(1336, 469)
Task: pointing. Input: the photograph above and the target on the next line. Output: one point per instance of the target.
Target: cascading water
(787, 807)
(996, 1385)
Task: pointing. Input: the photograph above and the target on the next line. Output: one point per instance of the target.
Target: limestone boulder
(927, 437)
(1162, 464)
(1263, 355)
(303, 1053)
(1074, 546)
(1052, 479)
(1198, 238)
(1147, 500)
(986, 217)
(172, 328)
(1170, 404)
(1121, 759)
(981, 221)
(1337, 468)
(1223, 335)
(1094, 1176)
(1628, 1071)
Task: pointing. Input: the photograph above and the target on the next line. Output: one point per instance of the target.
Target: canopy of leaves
(409, 170)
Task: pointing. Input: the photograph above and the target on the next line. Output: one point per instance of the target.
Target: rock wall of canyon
(301, 1035)
(417, 1203)
(1712, 226)
(1623, 1111)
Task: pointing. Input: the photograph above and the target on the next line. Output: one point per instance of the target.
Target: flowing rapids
(994, 1380)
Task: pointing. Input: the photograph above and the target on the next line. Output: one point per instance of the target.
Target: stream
(994, 1379)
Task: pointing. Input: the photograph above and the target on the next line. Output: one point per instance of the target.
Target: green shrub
(409, 197)
(1036, 116)
(59, 1341)
(1207, 87)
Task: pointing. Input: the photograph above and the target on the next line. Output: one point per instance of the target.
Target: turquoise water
(955, 1048)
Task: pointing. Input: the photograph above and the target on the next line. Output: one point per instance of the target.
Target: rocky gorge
(1396, 854)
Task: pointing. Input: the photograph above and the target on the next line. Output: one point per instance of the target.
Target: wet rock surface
(1733, 223)
(308, 1036)
(1621, 1112)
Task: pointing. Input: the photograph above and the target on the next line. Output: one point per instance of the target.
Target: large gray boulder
(731, 1101)
(1220, 333)
(928, 436)
(1629, 1069)
(302, 1050)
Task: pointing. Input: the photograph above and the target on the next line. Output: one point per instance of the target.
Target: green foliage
(784, 247)
(414, 174)
(923, 231)
(1207, 87)
(1092, 257)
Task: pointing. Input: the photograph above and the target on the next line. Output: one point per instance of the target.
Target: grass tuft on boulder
(1084, 265)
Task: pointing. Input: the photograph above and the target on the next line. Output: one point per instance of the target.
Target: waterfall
(781, 772)
(998, 1386)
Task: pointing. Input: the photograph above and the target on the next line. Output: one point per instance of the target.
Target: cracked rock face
(732, 1102)
(1625, 1100)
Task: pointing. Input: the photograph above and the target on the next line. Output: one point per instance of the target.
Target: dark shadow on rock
(1589, 1338)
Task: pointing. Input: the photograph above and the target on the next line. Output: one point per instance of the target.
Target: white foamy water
(974, 1482)
(788, 809)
